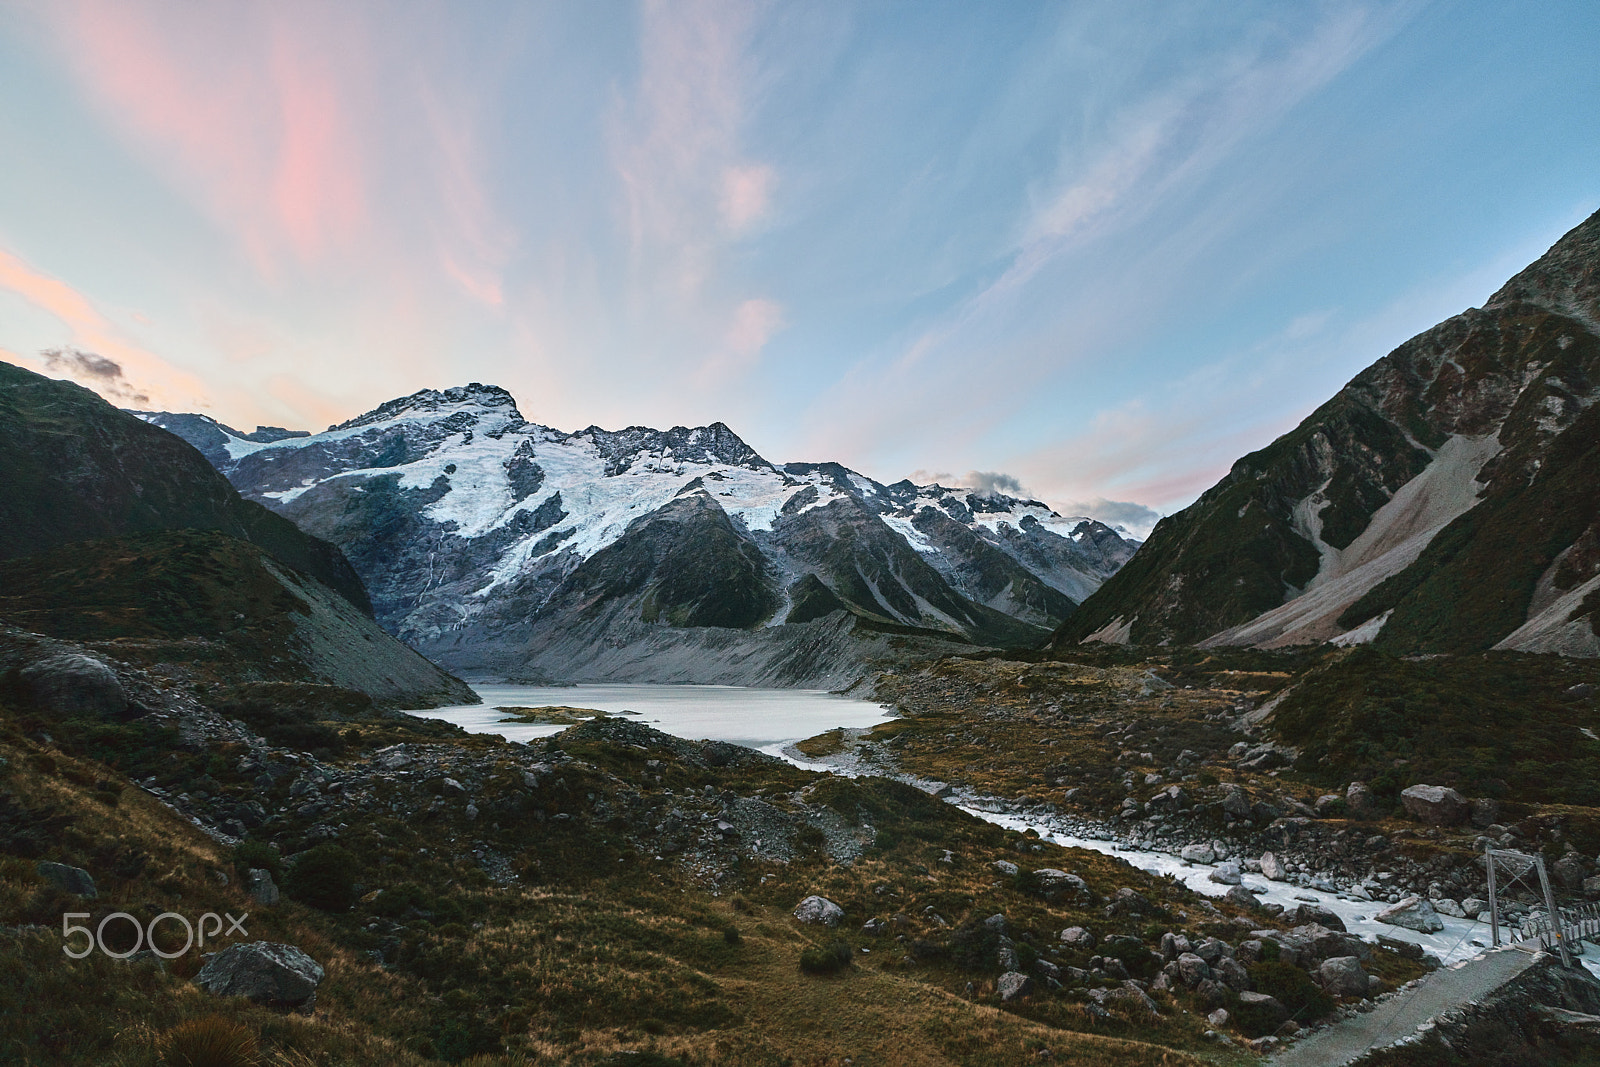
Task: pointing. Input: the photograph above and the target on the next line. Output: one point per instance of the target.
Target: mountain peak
(473, 395)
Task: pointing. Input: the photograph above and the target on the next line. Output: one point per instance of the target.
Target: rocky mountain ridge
(501, 547)
(1442, 501)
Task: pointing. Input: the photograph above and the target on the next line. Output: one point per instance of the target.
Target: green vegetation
(831, 958)
(325, 877)
(1475, 723)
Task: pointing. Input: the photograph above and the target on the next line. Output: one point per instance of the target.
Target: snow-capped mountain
(499, 546)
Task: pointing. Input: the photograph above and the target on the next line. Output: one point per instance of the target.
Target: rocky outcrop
(264, 972)
(71, 684)
(68, 879)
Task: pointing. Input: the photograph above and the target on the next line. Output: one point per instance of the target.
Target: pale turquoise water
(764, 719)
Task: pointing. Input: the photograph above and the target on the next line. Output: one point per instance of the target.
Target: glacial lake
(764, 719)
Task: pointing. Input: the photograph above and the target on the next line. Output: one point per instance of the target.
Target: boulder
(261, 887)
(1358, 799)
(73, 880)
(1232, 974)
(1263, 1005)
(1126, 901)
(1413, 913)
(1197, 854)
(1235, 802)
(1472, 907)
(1328, 804)
(1591, 887)
(1227, 874)
(1240, 896)
(1218, 1019)
(264, 972)
(1343, 977)
(1192, 969)
(1059, 885)
(1435, 805)
(1130, 994)
(1077, 937)
(1174, 945)
(1013, 985)
(1006, 867)
(72, 684)
(816, 909)
(1446, 906)
(1272, 867)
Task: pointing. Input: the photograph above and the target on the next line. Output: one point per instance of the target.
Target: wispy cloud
(98, 353)
(691, 192)
(1091, 246)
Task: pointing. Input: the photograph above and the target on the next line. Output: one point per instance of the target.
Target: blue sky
(1102, 248)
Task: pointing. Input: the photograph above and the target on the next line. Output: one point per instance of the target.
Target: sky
(1090, 251)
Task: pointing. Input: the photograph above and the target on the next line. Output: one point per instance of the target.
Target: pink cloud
(248, 108)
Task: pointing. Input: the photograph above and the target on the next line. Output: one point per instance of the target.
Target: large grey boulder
(1227, 873)
(1435, 805)
(1358, 799)
(1413, 913)
(1059, 885)
(1343, 977)
(1077, 937)
(814, 910)
(74, 880)
(1272, 867)
(1242, 897)
(1197, 854)
(73, 684)
(1013, 985)
(262, 971)
(1191, 969)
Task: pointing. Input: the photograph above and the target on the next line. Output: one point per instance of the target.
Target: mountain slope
(223, 610)
(484, 537)
(77, 468)
(1443, 501)
(112, 530)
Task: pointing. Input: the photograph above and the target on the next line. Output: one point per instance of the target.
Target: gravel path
(1397, 1018)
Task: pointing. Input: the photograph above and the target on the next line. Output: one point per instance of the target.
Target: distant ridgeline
(501, 547)
(1446, 500)
(111, 528)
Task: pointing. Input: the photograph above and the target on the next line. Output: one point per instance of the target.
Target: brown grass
(209, 1041)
